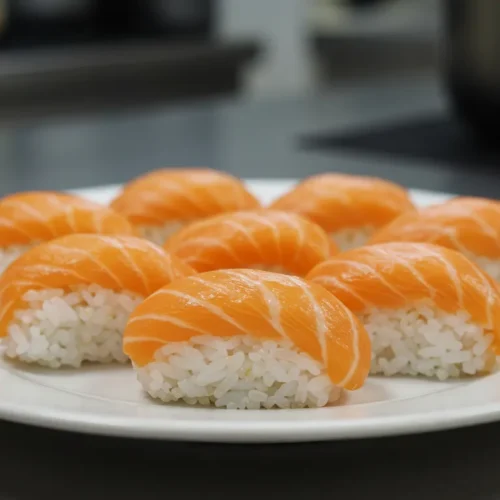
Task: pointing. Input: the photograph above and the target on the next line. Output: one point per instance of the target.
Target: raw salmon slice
(160, 202)
(348, 207)
(269, 239)
(33, 217)
(469, 225)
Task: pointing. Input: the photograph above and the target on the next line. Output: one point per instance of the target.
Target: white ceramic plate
(108, 399)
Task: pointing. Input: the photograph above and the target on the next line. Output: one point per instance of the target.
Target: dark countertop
(459, 464)
(252, 139)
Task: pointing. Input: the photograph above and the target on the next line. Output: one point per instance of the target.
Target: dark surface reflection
(442, 139)
(445, 465)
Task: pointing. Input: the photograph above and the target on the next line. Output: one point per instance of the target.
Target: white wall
(281, 26)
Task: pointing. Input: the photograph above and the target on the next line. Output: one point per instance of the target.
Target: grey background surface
(251, 138)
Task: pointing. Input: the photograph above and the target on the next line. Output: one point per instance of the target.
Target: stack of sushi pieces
(218, 300)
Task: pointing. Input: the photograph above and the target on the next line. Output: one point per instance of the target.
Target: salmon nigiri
(469, 225)
(68, 300)
(266, 239)
(161, 202)
(29, 218)
(246, 339)
(429, 309)
(350, 208)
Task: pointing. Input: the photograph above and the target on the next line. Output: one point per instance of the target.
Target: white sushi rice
(352, 237)
(10, 254)
(238, 372)
(423, 340)
(160, 234)
(67, 327)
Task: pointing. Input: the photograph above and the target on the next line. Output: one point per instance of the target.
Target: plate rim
(244, 432)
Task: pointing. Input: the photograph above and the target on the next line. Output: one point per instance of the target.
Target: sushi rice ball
(349, 208)
(260, 239)
(246, 339)
(163, 201)
(466, 224)
(68, 300)
(429, 310)
(30, 218)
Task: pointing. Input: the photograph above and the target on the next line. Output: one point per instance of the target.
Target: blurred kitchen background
(84, 54)
(100, 91)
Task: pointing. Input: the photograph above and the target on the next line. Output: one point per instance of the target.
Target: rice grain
(422, 340)
(67, 327)
(250, 375)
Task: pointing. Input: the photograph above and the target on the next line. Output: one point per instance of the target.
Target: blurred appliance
(33, 23)
(471, 60)
(42, 22)
(154, 18)
(178, 17)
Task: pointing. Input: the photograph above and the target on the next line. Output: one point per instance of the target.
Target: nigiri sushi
(161, 202)
(429, 310)
(246, 338)
(67, 301)
(350, 208)
(29, 218)
(469, 225)
(263, 239)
